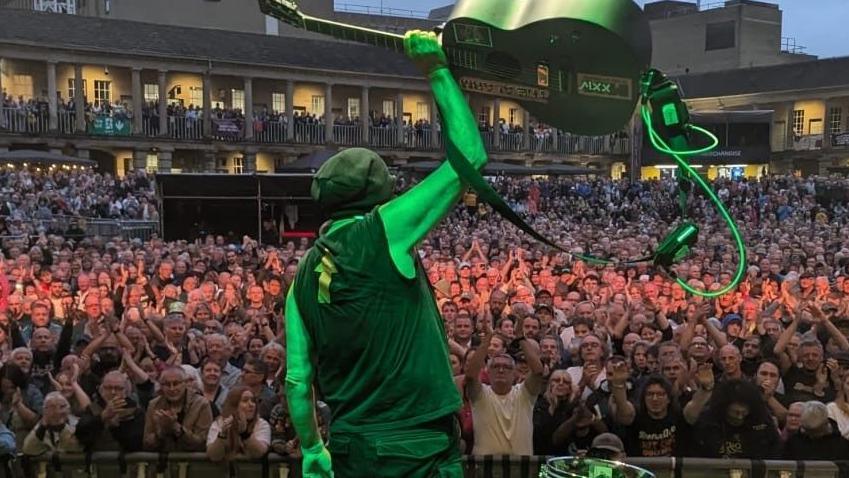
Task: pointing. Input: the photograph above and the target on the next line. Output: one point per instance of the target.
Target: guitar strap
(473, 177)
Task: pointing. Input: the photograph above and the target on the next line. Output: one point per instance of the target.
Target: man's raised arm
(408, 218)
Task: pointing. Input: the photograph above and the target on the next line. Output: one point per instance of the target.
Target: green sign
(110, 126)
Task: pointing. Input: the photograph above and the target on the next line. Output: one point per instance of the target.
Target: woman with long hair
(838, 410)
(553, 408)
(736, 424)
(239, 430)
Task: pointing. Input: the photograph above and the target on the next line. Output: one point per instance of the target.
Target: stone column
(207, 105)
(328, 114)
(79, 99)
(165, 161)
(290, 110)
(140, 159)
(434, 119)
(138, 101)
(163, 109)
(526, 126)
(209, 158)
(249, 162)
(52, 103)
(364, 113)
(249, 108)
(399, 116)
(496, 129)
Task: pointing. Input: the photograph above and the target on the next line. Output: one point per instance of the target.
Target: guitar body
(574, 64)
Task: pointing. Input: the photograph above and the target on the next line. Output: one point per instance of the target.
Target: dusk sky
(819, 25)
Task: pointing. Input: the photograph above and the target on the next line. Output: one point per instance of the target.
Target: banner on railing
(110, 126)
(230, 128)
(841, 139)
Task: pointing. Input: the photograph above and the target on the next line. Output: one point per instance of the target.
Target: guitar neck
(342, 31)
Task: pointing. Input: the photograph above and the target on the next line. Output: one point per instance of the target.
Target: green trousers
(429, 450)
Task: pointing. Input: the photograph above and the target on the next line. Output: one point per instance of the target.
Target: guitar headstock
(283, 10)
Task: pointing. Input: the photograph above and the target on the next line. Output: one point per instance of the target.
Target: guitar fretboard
(354, 33)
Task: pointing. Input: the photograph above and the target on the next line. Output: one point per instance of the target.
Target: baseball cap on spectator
(729, 319)
(547, 307)
(609, 442)
(176, 308)
(465, 264)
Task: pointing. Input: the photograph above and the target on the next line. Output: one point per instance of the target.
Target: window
(317, 105)
(151, 164)
(483, 115)
(513, 116)
(151, 93)
(422, 111)
(71, 87)
(798, 122)
(719, 36)
(353, 108)
(196, 96)
(835, 120)
(238, 164)
(102, 92)
(389, 108)
(237, 99)
(278, 102)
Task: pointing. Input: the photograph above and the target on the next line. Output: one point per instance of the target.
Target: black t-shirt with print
(720, 440)
(667, 436)
(799, 386)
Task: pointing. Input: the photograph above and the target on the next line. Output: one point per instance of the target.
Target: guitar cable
(664, 113)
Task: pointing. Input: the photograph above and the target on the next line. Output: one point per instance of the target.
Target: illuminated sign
(605, 86)
(504, 90)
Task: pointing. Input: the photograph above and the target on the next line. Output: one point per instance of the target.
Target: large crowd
(109, 344)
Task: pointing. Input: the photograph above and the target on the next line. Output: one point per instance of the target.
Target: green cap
(352, 181)
(176, 308)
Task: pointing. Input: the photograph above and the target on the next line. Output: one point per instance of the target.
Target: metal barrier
(197, 465)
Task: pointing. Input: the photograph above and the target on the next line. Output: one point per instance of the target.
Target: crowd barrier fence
(197, 465)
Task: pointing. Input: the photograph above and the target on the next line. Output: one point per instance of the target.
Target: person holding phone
(113, 421)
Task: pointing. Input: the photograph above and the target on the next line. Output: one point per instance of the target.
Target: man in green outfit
(361, 320)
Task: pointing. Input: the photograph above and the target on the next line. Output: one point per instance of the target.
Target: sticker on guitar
(504, 90)
(605, 86)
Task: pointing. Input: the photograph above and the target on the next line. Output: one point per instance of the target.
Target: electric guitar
(573, 64)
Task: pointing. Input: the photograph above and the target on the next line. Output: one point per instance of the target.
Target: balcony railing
(347, 135)
(309, 133)
(22, 120)
(180, 128)
(270, 132)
